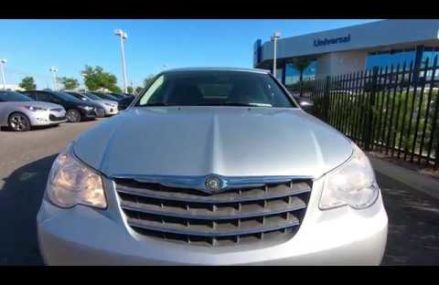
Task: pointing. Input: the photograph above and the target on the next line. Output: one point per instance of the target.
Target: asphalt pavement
(26, 158)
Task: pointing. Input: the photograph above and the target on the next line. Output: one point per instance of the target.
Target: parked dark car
(106, 96)
(76, 110)
(128, 95)
(117, 96)
(99, 106)
(125, 102)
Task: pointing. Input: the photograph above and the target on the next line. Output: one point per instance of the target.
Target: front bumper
(100, 112)
(109, 111)
(88, 114)
(85, 236)
(46, 118)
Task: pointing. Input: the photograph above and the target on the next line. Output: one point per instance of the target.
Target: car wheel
(19, 122)
(73, 116)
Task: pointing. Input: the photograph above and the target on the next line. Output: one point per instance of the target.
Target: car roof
(188, 69)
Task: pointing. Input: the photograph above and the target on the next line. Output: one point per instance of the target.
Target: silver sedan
(111, 107)
(212, 167)
(20, 113)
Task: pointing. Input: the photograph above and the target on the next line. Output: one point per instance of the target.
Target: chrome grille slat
(272, 212)
(208, 231)
(297, 204)
(218, 198)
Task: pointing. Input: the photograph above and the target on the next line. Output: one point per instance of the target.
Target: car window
(41, 96)
(205, 88)
(78, 96)
(92, 96)
(10, 96)
(155, 92)
(61, 96)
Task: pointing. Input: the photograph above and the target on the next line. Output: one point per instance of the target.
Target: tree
(96, 78)
(115, 89)
(130, 89)
(301, 64)
(69, 83)
(28, 83)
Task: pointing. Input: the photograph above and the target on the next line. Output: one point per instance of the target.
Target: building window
(389, 58)
(293, 75)
(430, 54)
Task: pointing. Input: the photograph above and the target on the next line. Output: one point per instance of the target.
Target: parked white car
(20, 112)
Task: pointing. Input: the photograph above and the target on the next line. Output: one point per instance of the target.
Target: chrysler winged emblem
(213, 183)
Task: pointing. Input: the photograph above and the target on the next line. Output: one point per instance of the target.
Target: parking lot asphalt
(26, 158)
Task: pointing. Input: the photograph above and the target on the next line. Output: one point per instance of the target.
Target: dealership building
(351, 49)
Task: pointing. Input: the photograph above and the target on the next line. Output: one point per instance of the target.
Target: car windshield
(215, 88)
(78, 96)
(116, 95)
(106, 96)
(92, 96)
(14, 97)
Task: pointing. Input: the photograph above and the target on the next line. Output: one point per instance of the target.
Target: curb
(419, 182)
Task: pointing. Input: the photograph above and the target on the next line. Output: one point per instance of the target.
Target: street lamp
(3, 61)
(84, 75)
(274, 39)
(54, 70)
(123, 36)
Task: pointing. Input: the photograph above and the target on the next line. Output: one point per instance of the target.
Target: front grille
(269, 213)
(100, 112)
(55, 118)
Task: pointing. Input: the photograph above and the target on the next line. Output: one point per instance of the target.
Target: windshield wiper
(154, 104)
(242, 104)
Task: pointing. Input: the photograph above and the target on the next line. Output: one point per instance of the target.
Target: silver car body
(239, 144)
(110, 107)
(36, 118)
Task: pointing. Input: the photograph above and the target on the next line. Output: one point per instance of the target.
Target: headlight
(108, 104)
(351, 184)
(34, 109)
(71, 183)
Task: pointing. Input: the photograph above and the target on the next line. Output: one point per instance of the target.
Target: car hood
(197, 141)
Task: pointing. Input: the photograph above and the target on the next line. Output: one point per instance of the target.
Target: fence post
(326, 98)
(368, 130)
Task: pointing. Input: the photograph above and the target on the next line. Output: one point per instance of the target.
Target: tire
(19, 122)
(73, 116)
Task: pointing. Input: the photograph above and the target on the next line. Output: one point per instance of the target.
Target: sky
(31, 47)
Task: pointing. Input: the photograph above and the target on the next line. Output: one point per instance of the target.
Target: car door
(2, 112)
(43, 96)
(32, 94)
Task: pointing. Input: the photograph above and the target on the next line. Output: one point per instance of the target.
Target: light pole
(274, 39)
(84, 75)
(3, 61)
(123, 36)
(54, 70)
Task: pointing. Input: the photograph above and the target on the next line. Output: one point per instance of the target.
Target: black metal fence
(393, 110)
